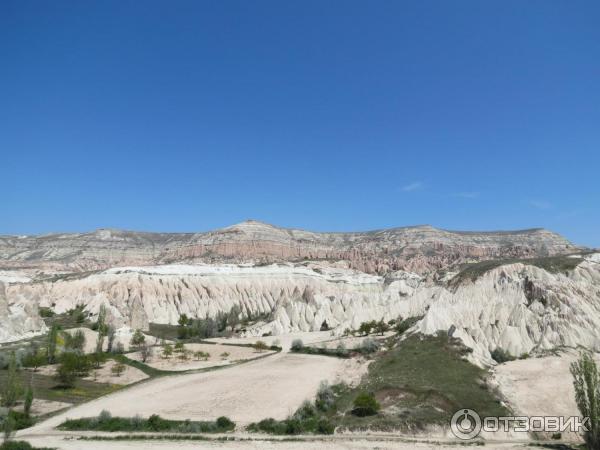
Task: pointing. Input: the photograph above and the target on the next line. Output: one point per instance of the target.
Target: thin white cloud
(414, 186)
(540, 204)
(469, 195)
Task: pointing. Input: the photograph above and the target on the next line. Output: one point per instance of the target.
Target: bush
(297, 345)
(369, 346)
(225, 423)
(500, 356)
(260, 346)
(20, 420)
(306, 411)
(325, 397)
(105, 422)
(324, 426)
(17, 445)
(341, 350)
(365, 404)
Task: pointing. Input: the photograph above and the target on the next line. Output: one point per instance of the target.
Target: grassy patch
(423, 380)
(45, 387)
(552, 264)
(155, 423)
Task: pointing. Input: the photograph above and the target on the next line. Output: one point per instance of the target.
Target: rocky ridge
(419, 249)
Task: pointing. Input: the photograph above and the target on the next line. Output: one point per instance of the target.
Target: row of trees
(209, 327)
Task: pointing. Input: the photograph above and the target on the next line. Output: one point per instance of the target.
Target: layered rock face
(295, 297)
(517, 307)
(348, 278)
(18, 320)
(418, 249)
(521, 309)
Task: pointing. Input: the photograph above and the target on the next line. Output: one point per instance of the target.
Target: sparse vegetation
(420, 380)
(552, 264)
(501, 356)
(155, 423)
(260, 346)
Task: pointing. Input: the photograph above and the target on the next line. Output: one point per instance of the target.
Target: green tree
(71, 366)
(365, 328)
(75, 341)
(167, 351)
(110, 333)
(12, 389)
(137, 339)
(51, 344)
(28, 401)
(118, 369)
(586, 382)
(260, 346)
(381, 327)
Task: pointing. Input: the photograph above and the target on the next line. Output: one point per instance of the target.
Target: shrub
(341, 350)
(118, 369)
(104, 416)
(369, 346)
(365, 404)
(16, 445)
(156, 423)
(325, 427)
(260, 346)
(225, 423)
(46, 312)
(501, 356)
(297, 345)
(325, 397)
(305, 411)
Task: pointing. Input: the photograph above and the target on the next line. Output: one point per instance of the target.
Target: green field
(45, 387)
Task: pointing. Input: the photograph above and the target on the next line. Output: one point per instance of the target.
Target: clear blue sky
(326, 115)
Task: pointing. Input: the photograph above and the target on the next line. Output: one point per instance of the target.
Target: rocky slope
(518, 307)
(418, 249)
(522, 307)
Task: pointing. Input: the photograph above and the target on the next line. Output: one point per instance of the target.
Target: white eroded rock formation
(518, 307)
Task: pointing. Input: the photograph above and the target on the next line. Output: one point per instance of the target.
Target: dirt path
(355, 442)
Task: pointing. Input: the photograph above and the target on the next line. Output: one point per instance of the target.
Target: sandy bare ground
(216, 351)
(274, 386)
(540, 386)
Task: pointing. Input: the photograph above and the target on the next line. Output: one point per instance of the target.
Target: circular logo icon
(465, 424)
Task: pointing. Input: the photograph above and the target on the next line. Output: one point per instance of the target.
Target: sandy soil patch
(274, 386)
(104, 374)
(540, 386)
(219, 355)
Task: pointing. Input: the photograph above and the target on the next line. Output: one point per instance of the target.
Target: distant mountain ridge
(419, 249)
